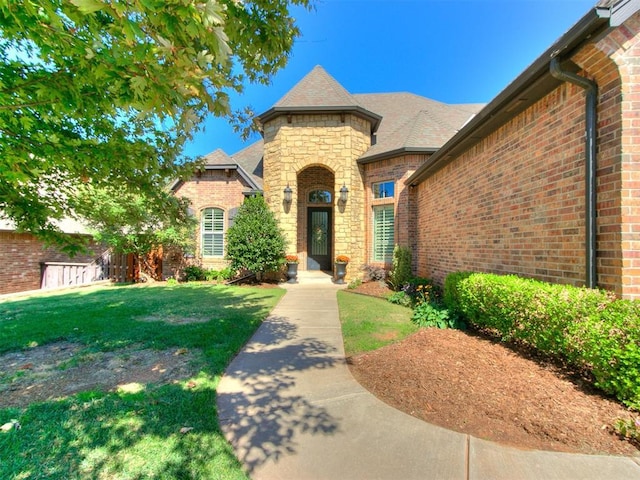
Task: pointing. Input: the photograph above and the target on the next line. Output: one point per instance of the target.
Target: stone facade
(328, 145)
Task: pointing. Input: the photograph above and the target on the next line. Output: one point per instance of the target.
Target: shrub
(422, 290)
(432, 315)
(373, 274)
(194, 273)
(355, 283)
(608, 342)
(401, 271)
(400, 298)
(255, 241)
(450, 296)
(588, 328)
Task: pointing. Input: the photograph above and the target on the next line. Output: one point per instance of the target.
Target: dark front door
(319, 238)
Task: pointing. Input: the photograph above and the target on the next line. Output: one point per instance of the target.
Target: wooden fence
(117, 267)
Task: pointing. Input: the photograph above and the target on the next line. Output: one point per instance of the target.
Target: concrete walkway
(291, 409)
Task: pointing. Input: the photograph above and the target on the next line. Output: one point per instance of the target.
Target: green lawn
(369, 323)
(135, 434)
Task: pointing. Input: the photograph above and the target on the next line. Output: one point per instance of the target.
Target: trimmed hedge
(589, 328)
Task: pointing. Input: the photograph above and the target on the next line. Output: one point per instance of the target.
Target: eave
(529, 87)
(363, 113)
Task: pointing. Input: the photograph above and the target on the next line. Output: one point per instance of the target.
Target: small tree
(135, 222)
(255, 241)
(401, 272)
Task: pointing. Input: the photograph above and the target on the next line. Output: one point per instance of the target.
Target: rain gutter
(591, 121)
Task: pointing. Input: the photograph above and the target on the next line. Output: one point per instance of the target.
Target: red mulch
(470, 383)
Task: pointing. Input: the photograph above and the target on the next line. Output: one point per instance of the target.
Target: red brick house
(544, 181)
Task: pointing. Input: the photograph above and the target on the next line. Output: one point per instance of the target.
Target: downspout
(590, 164)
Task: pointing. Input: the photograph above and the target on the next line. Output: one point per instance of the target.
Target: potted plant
(341, 268)
(292, 268)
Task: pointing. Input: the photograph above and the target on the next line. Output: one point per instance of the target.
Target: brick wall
(397, 170)
(622, 47)
(514, 203)
(20, 257)
(212, 189)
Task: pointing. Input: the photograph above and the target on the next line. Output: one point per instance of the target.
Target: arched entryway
(315, 234)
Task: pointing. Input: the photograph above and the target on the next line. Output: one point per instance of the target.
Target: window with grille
(383, 233)
(212, 232)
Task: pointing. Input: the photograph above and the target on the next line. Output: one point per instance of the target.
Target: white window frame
(382, 193)
(383, 235)
(212, 230)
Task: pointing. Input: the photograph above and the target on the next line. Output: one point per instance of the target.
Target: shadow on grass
(258, 414)
(168, 431)
(98, 435)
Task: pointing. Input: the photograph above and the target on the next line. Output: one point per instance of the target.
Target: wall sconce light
(288, 195)
(344, 193)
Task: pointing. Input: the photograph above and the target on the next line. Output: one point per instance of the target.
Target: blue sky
(453, 51)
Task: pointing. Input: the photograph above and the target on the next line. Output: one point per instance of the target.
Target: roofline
(359, 111)
(536, 80)
(396, 152)
(223, 166)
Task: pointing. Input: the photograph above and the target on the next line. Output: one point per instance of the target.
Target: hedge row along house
(544, 181)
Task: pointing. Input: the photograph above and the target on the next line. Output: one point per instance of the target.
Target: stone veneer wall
(514, 203)
(212, 189)
(333, 141)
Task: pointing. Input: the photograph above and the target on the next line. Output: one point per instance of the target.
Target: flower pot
(292, 272)
(341, 272)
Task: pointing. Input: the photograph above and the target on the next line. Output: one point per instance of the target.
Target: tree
(255, 241)
(133, 223)
(106, 92)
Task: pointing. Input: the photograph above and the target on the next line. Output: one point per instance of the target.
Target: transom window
(383, 233)
(319, 196)
(383, 190)
(212, 232)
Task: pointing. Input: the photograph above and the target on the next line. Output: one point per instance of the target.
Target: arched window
(319, 196)
(212, 232)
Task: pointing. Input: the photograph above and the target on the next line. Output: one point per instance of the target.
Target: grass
(130, 434)
(370, 323)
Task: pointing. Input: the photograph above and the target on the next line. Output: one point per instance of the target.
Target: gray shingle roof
(217, 157)
(402, 122)
(413, 123)
(317, 89)
(319, 92)
(250, 159)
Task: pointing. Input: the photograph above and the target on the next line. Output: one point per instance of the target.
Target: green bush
(588, 328)
(400, 298)
(432, 315)
(608, 342)
(422, 290)
(450, 296)
(194, 273)
(255, 241)
(401, 271)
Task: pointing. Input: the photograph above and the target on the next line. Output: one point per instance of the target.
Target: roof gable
(317, 89)
(319, 92)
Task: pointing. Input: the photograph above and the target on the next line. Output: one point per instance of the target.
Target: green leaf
(88, 6)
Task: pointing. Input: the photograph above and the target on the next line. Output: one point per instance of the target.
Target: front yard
(119, 382)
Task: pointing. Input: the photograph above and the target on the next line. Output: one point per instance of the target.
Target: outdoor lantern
(344, 191)
(288, 193)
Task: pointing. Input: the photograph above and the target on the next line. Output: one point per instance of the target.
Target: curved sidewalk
(291, 409)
